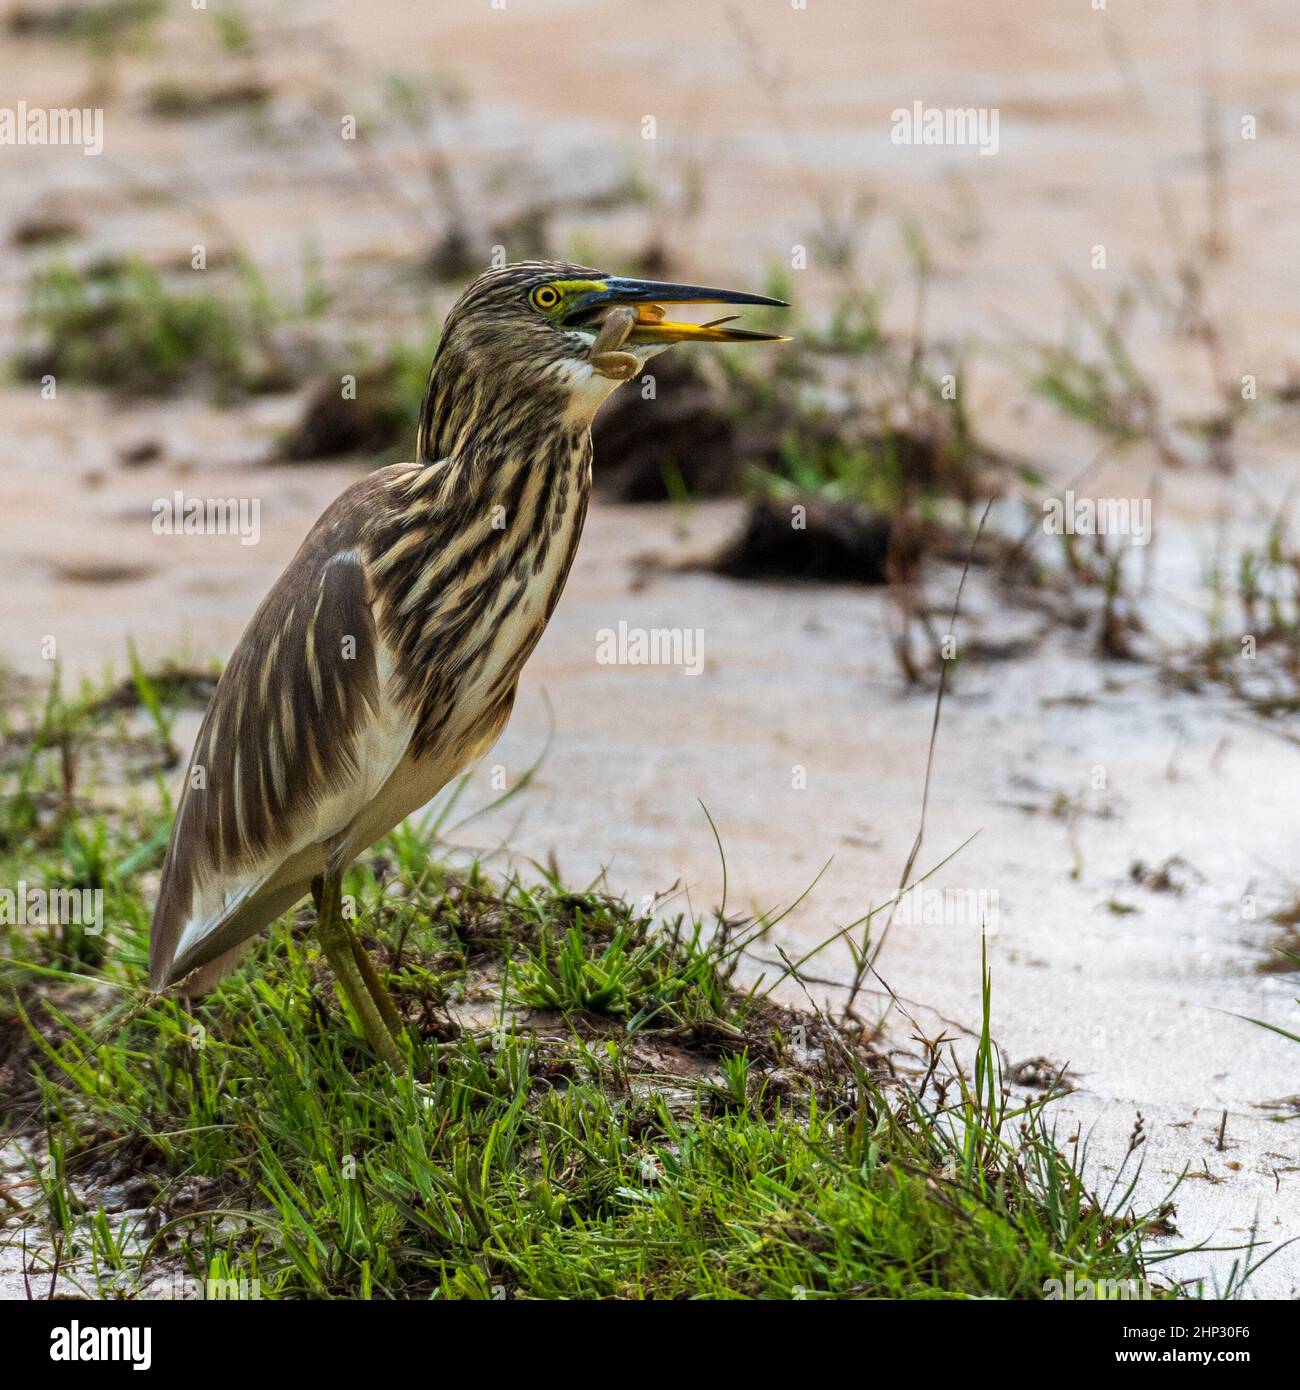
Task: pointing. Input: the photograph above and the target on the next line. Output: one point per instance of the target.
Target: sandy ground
(788, 118)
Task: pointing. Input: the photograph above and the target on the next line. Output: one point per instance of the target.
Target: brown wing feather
(281, 731)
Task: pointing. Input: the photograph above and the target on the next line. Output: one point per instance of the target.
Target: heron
(384, 661)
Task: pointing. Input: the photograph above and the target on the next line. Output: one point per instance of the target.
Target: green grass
(894, 433)
(1252, 643)
(102, 26)
(597, 1107)
(116, 324)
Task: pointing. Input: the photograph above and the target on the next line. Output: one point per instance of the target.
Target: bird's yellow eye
(545, 297)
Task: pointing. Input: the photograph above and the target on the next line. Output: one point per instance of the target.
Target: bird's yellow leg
(337, 941)
(378, 992)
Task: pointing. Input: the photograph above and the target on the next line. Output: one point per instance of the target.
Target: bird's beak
(647, 298)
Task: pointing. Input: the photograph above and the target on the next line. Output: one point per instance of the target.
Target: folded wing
(295, 742)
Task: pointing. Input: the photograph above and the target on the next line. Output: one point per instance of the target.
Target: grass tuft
(597, 1106)
(115, 324)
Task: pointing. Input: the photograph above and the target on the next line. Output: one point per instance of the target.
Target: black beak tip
(664, 292)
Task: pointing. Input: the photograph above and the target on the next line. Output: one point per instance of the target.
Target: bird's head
(562, 337)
